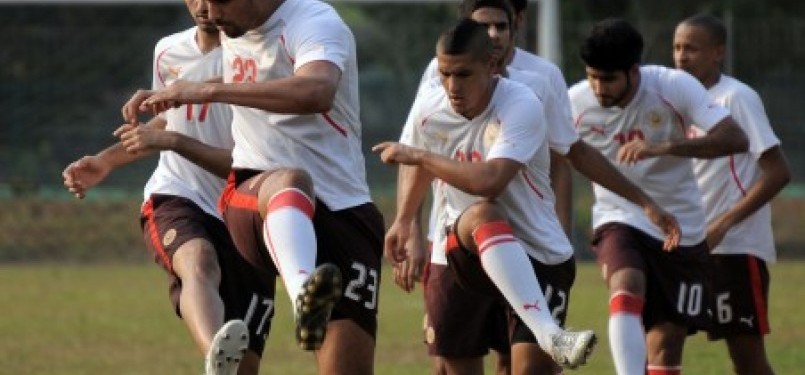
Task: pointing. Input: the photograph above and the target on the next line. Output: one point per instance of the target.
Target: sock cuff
(664, 370)
(492, 233)
(291, 197)
(625, 302)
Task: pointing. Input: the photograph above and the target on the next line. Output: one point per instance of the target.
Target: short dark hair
(466, 37)
(711, 24)
(468, 6)
(519, 5)
(612, 45)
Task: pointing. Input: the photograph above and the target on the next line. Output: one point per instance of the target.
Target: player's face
(467, 81)
(234, 17)
(198, 9)
(612, 88)
(696, 52)
(498, 27)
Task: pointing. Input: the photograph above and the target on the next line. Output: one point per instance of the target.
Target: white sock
(507, 264)
(627, 338)
(290, 238)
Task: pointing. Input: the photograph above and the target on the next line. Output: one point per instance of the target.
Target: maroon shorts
(352, 239)
(741, 292)
(170, 221)
(486, 320)
(459, 322)
(678, 288)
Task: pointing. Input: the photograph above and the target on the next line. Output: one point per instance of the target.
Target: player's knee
(294, 178)
(628, 280)
(482, 212)
(197, 261)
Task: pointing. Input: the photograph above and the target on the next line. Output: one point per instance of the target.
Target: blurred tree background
(66, 69)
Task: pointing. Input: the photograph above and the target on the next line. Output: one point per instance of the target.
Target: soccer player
(736, 192)
(297, 196)
(209, 282)
(637, 117)
(547, 83)
(483, 138)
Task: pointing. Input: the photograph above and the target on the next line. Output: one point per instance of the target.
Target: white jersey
(546, 81)
(326, 145)
(178, 57)
(724, 181)
(666, 101)
(511, 127)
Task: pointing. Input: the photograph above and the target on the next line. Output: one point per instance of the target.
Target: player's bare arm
(485, 179)
(562, 185)
(145, 139)
(410, 195)
(311, 89)
(724, 138)
(774, 176)
(83, 174)
(593, 165)
(409, 271)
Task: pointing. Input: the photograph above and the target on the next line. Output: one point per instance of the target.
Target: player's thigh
(352, 239)
(461, 323)
(619, 254)
(169, 223)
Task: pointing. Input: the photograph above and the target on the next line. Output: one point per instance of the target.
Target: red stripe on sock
(491, 229)
(757, 295)
(291, 198)
(664, 370)
(623, 302)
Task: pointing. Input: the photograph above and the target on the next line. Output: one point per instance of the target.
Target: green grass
(116, 319)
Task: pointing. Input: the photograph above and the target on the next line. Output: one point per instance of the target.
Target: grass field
(116, 319)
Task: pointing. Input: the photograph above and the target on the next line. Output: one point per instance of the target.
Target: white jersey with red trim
(512, 127)
(724, 181)
(546, 81)
(326, 145)
(178, 57)
(665, 102)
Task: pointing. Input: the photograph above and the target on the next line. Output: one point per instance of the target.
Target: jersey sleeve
(409, 134)
(558, 114)
(522, 127)
(324, 39)
(693, 101)
(747, 110)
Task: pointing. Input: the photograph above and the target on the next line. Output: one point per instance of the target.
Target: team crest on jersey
(169, 237)
(654, 119)
(491, 132)
(175, 70)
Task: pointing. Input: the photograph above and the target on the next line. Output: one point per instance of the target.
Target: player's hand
(143, 138)
(716, 232)
(397, 153)
(396, 238)
(637, 150)
(667, 223)
(177, 93)
(131, 109)
(83, 174)
(409, 271)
